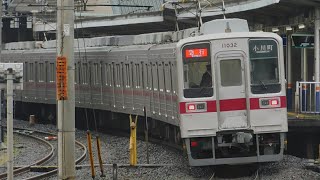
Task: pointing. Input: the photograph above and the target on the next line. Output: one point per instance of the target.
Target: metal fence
(307, 97)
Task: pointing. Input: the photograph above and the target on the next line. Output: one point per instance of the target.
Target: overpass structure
(114, 18)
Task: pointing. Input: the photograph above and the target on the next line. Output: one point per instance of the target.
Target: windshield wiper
(264, 86)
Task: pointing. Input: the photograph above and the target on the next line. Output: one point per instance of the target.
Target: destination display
(196, 52)
(263, 48)
(191, 53)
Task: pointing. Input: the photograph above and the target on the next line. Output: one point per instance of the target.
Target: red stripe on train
(232, 105)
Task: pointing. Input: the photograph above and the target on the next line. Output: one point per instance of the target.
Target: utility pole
(65, 89)
(11, 73)
(1, 128)
(10, 123)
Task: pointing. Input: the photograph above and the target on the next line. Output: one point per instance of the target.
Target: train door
(231, 91)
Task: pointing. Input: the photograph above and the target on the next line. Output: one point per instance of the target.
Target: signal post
(65, 89)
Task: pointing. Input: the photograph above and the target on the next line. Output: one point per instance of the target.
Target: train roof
(212, 27)
(229, 36)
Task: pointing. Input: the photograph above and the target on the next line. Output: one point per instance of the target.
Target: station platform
(303, 122)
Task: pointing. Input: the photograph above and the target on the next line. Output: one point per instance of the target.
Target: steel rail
(39, 162)
(50, 173)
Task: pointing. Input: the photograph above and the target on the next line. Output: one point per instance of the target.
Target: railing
(307, 97)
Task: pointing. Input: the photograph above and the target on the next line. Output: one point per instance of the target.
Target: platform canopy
(261, 14)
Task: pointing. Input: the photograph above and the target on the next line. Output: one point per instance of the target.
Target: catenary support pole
(66, 106)
(303, 78)
(10, 123)
(1, 128)
(317, 59)
(317, 56)
(289, 71)
(305, 64)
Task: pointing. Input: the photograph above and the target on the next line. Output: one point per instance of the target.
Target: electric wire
(85, 109)
(94, 114)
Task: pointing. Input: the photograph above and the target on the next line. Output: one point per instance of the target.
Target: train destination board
(198, 52)
(191, 53)
(262, 48)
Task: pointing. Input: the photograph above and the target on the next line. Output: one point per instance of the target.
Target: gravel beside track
(115, 150)
(24, 151)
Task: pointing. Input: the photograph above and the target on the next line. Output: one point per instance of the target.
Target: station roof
(259, 13)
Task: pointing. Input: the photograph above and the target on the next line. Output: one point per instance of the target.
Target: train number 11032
(229, 45)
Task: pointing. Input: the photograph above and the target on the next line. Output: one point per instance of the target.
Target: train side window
(52, 73)
(138, 76)
(113, 73)
(118, 74)
(134, 76)
(142, 75)
(75, 73)
(36, 73)
(93, 70)
(155, 77)
(161, 77)
(150, 76)
(147, 77)
(46, 71)
(96, 74)
(31, 71)
(78, 71)
(41, 72)
(167, 75)
(26, 72)
(84, 73)
(110, 76)
(122, 75)
(116, 70)
(230, 72)
(127, 76)
(104, 75)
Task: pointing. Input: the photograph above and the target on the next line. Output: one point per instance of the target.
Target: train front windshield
(197, 70)
(264, 69)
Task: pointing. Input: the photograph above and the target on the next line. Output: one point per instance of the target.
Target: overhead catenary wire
(98, 143)
(85, 109)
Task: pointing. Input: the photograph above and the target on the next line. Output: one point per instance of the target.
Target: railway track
(40, 136)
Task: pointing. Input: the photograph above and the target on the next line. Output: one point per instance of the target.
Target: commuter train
(221, 89)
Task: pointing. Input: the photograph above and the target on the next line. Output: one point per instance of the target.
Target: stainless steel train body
(239, 117)
(119, 79)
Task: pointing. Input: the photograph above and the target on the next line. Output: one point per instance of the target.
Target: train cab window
(264, 67)
(197, 72)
